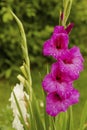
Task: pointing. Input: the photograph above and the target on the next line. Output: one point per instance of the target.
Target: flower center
(58, 78)
(58, 45)
(57, 97)
(67, 61)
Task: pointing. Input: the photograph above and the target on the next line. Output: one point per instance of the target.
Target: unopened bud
(21, 78)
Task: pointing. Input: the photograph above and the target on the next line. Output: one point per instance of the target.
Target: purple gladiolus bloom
(57, 81)
(56, 104)
(71, 63)
(57, 44)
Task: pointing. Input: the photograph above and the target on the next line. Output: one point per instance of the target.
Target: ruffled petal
(57, 69)
(53, 104)
(70, 70)
(56, 104)
(47, 48)
(49, 84)
(75, 51)
(74, 98)
(64, 89)
(60, 41)
(71, 63)
(57, 45)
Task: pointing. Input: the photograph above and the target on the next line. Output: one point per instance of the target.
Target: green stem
(25, 54)
(67, 4)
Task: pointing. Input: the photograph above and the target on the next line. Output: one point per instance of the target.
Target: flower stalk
(25, 68)
(67, 4)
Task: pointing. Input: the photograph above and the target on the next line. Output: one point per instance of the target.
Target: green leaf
(61, 121)
(64, 124)
(58, 122)
(37, 114)
(31, 119)
(52, 123)
(47, 120)
(46, 116)
(83, 117)
(71, 125)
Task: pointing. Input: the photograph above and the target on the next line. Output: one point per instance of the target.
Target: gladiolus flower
(56, 104)
(57, 81)
(71, 63)
(17, 124)
(57, 44)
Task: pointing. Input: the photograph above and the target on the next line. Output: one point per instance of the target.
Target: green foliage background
(39, 18)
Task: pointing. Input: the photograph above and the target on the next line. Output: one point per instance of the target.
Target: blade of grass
(37, 114)
(71, 119)
(64, 124)
(31, 118)
(52, 123)
(83, 117)
(59, 121)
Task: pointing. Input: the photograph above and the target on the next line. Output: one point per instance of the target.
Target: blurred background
(39, 18)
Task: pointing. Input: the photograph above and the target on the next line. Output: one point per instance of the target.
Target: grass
(5, 113)
(5, 90)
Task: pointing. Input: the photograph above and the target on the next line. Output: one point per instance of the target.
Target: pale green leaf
(83, 117)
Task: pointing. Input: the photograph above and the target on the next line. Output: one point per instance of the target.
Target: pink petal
(61, 40)
(71, 63)
(49, 84)
(55, 104)
(56, 46)
(58, 69)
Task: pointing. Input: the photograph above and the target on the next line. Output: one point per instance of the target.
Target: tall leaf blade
(59, 121)
(64, 124)
(52, 123)
(83, 117)
(31, 119)
(37, 114)
(71, 119)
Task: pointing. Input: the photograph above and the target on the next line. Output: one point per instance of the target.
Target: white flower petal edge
(17, 124)
(20, 95)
